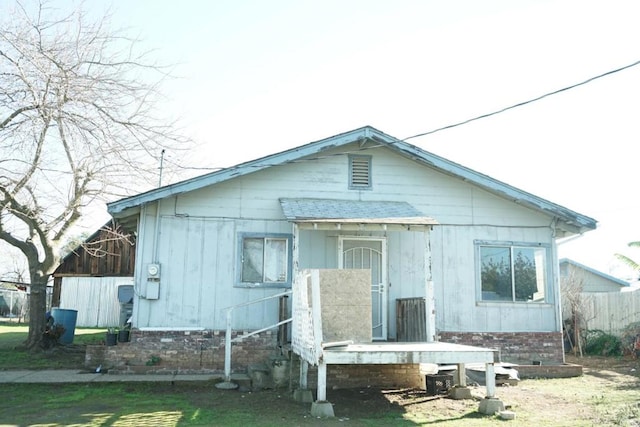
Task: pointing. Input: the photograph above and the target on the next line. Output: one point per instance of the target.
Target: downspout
(556, 283)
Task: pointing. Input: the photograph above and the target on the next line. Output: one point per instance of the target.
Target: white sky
(258, 77)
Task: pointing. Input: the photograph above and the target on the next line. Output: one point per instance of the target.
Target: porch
(312, 323)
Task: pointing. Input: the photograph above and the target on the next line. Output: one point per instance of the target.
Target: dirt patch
(607, 394)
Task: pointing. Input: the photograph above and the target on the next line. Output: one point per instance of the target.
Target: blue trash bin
(67, 319)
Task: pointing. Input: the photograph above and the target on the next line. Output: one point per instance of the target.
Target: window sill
(514, 304)
(263, 285)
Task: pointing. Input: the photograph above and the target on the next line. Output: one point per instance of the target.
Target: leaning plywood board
(346, 305)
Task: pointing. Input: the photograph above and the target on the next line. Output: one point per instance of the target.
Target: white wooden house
(481, 252)
(589, 279)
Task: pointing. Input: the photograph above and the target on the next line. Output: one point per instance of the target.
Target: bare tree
(577, 308)
(77, 126)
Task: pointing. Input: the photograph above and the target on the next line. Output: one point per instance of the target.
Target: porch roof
(353, 212)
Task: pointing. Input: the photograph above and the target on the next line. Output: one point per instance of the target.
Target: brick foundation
(202, 351)
(181, 352)
(515, 347)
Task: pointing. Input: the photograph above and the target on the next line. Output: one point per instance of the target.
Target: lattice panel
(302, 335)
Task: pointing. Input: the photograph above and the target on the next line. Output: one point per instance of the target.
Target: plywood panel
(346, 305)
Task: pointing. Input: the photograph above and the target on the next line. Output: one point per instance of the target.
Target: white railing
(227, 338)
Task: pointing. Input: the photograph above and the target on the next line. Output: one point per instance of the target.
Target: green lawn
(607, 394)
(13, 355)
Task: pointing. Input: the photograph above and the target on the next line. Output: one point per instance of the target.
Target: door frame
(384, 284)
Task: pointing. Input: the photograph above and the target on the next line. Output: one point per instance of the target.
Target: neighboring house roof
(570, 221)
(567, 261)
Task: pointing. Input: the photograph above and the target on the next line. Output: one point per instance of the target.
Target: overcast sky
(258, 77)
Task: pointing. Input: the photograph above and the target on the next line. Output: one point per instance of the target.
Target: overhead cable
(520, 104)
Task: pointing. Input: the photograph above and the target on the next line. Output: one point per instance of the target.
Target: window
(359, 172)
(513, 272)
(265, 260)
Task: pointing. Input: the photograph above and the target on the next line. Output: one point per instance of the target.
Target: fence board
(612, 312)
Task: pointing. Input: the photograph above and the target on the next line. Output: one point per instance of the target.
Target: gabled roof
(576, 264)
(569, 220)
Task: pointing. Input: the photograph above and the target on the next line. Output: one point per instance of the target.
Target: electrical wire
(464, 122)
(520, 104)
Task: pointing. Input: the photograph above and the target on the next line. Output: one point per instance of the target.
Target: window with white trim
(265, 260)
(359, 172)
(513, 272)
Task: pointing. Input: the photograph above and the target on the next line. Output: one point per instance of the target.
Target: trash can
(66, 319)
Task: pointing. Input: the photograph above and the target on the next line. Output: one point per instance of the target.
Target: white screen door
(370, 254)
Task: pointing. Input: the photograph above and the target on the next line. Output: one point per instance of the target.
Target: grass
(13, 354)
(140, 404)
(607, 395)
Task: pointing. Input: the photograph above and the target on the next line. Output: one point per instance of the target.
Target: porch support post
(429, 291)
(295, 251)
(304, 371)
(302, 393)
(490, 404)
(462, 375)
(321, 407)
(490, 378)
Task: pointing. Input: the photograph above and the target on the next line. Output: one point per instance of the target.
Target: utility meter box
(153, 271)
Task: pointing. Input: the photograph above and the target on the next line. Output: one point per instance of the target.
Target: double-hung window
(265, 260)
(513, 272)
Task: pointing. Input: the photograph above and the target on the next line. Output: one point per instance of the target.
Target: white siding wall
(198, 232)
(95, 299)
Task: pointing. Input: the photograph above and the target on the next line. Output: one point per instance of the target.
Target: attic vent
(359, 172)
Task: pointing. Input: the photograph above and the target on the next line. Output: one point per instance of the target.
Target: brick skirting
(515, 347)
(181, 351)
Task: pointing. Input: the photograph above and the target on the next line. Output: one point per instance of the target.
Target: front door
(370, 254)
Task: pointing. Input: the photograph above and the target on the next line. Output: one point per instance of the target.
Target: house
(591, 280)
(89, 277)
(595, 301)
(481, 253)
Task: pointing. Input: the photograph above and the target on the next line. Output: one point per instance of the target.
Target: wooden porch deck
(407, 352)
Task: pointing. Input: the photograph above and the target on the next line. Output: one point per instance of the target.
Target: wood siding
(103, 254)
(95, 299)
(198, 232)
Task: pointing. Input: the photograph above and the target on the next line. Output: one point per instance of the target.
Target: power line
(520, 104)
(483, 116)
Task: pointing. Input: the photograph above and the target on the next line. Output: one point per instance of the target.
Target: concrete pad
(507, 415)
(226, 385)
(322, 409)
(303, 395)
(489, 406)
(460, 393)
(61, 376)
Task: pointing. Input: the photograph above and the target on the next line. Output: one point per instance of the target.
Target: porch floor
(408, 352)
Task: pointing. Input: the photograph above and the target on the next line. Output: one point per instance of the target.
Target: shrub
(599, 343)
(630, 336)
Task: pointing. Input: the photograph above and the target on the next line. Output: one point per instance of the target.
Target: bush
(599, 343)
(630, 336)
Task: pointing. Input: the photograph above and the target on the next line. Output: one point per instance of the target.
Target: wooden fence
(411, 320)
(612, 312)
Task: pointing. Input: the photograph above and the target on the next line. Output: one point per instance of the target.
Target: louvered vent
(360, 171)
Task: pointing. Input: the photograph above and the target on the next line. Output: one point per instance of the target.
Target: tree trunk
(37, 310)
